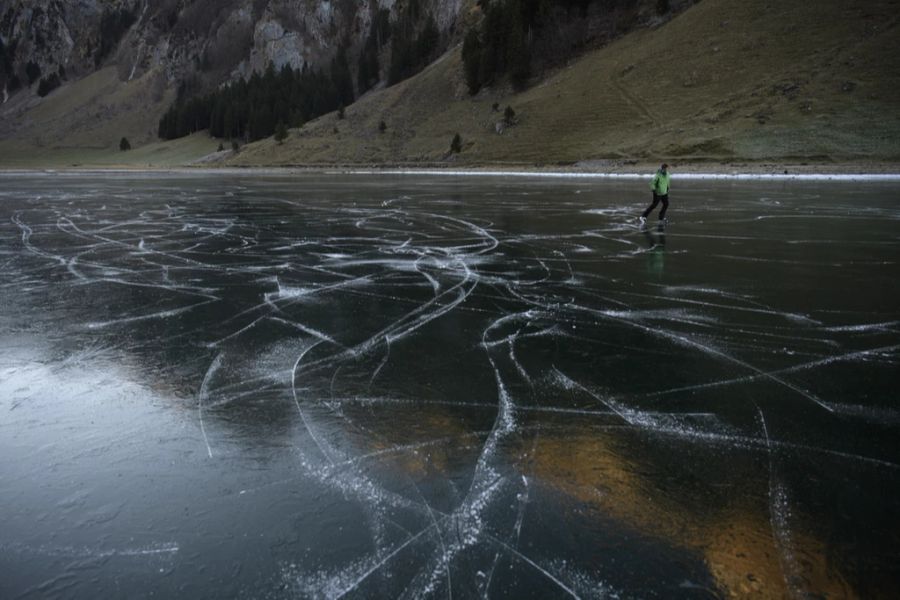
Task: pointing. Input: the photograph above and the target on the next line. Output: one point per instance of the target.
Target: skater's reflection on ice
(656, 245)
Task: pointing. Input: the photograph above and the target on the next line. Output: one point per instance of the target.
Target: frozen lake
(359, 386)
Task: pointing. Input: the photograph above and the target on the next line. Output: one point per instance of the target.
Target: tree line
(415, 40)
(252, 109)
(8, 74)
(506, 41)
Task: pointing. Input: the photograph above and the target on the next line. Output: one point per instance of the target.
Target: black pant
(656, 200)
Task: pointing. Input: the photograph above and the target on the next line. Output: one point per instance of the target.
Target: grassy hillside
(82, 122)
(726, 81)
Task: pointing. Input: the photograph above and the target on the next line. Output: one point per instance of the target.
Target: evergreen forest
(252, 109)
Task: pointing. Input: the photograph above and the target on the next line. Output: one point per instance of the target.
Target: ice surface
(377, 385)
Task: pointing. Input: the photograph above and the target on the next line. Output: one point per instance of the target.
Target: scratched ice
(326, 386)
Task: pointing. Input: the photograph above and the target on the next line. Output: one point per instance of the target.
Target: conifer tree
(456, 144)
(340, 75)
(471, 55)
(48, 84)
(518, 56)
(32, 71)
(428, 41)
(281, 132)
(368, 68)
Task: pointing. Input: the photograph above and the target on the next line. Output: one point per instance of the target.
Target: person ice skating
(660, 187)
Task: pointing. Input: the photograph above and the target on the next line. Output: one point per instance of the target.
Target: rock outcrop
(211, 41)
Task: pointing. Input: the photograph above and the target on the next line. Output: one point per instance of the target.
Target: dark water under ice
(380, 386)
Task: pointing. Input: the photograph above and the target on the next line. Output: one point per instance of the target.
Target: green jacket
(660, 183)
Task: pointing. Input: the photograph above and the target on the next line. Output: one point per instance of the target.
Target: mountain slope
(723, 81)
(85, 74)
(727, 80)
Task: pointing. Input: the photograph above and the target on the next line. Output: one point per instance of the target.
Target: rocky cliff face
(210, 40)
